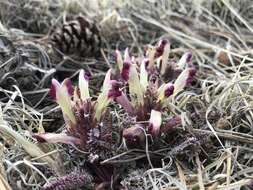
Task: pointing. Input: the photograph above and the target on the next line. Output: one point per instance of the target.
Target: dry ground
(218, 33)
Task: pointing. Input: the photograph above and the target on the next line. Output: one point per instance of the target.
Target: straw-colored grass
(219, 33)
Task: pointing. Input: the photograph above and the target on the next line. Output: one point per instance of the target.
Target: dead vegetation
(211, 149)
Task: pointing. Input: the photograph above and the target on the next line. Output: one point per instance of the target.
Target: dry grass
(219, 33)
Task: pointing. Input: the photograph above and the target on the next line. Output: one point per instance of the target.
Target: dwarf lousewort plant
(143, 86)
(149, 95)
(83, 116)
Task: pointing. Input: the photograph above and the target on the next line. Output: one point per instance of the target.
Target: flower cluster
(138, 85)
(149, 94)
(143, 87)
(83, 116)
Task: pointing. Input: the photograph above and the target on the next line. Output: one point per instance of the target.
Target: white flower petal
(155, 123)
(135, 87)
(181, 81)
(184, 60)
(119, 60)
(165, 57)
(144, 75)
(83, 86)
(63, 98)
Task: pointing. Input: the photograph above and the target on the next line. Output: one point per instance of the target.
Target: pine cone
(77, 36)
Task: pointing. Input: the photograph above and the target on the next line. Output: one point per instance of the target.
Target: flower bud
(110, 91)
(62, 94)
(165, 91)
(134, 136)
(129, 73)
(186, 58)
(183, 79)
(144, 75)
(155, 123)
(83, 85)
(119, 60)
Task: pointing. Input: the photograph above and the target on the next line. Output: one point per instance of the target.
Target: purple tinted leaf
(125, 103)
(39, 138)
(56, 138)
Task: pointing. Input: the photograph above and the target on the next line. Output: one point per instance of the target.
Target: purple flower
(160, 48)
(110, 91)
(188, 57)
(131, 76)
(114, 91)
(165, 91)
(81, 114)
(125, 71)
(183, 79)
(169, 89)
(185, 59)
(83, 85)
(118, 59)
(62, 93)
